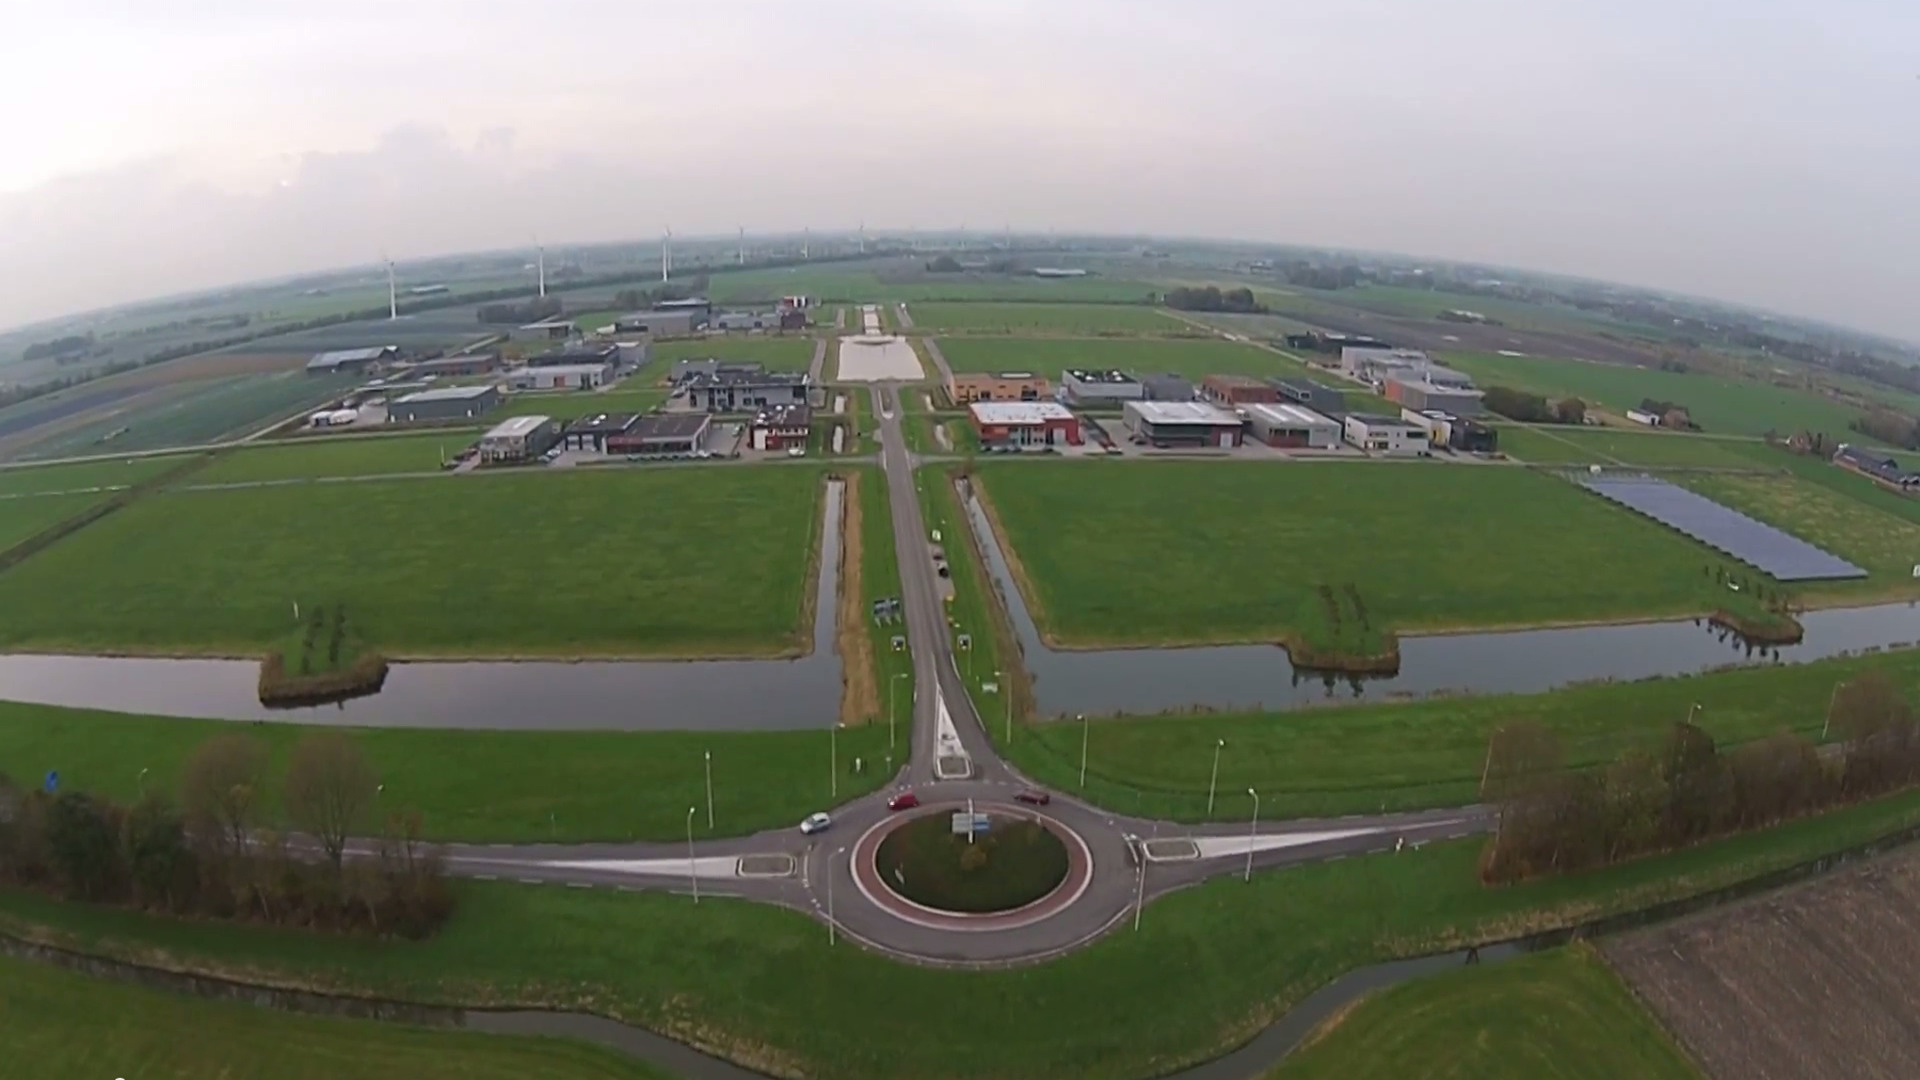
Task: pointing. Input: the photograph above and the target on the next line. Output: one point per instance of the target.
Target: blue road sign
(53, 781)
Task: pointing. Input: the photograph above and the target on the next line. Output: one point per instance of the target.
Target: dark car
(1033, 796)
(905, 800)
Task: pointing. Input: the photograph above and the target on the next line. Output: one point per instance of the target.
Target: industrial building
(1374, 364)
(967, 387)
(450, 403)
(561, 377)
(1182, 423)
(684, 370)
(729, 391)
(1167, 387)
(1419, 393)
(1881, 470)
(1384, 434)
(1289, 425)
(466, 364)
(679, 433)
(778, 427)
(1024, 423)
(663, 322)
(352, 361)
(746, 320)
(1324, 400)
(1232, 390)
(1454, 432)
(519, 438)
(592, 432)
(577, 356)
(1099, 387)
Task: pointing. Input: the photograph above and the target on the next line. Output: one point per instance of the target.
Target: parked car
(1032, 796)
(905, 800)
(816, 823)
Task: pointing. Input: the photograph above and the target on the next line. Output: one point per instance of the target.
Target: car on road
(905, 800)
(815, 823)
(1032, 797)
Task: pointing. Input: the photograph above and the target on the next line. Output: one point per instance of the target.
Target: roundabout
(1023, 869)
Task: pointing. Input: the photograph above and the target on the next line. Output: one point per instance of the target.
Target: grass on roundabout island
(1014, 863)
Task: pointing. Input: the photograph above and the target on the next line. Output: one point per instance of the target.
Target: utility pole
(1000, 681)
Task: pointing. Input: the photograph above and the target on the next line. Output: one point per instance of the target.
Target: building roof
(576, 354)
(1375, 420)
(1290, 416)
(1018, 412)
(351, 356)
(517, 427)
(784, 416)
(462, 360)
(1183, 412)
(1234, 380)
(602, 424)
(562, 369)
(1116, 377)
(669, 426)
(550, 324)
(688, 304)
(446, 393)
(963, 376)
(727, 377)
(1429, 387)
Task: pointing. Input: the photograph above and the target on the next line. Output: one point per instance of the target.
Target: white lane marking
(705, 866)
(1213, 847)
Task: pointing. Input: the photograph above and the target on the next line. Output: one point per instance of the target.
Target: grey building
(1421, 394)
(561, 377)
(676, 322)
(745, 391)
(1182, 423)
(1289, 425)
(684, 370)
(1324, 400)
(1168, 387)
(520, 438)
(451, 403)
(592, 432)
(746, 320)
(1099, 387)
(577, 355)
(352, 361)
(663, 434)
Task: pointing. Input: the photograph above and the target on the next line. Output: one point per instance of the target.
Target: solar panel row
(1780, 555)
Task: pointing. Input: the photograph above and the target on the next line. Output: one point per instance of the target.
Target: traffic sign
(53, 781)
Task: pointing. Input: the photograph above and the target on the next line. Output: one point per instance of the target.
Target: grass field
(1192, 358)
(764, 983)
(632, 398)
(1412, 755)
(1886, 546)
(1545, 445)
(781, 352)
(1426, 546)
(1720, 406)
(1057, 318)
(902, 280)
(485, 785)
(198, 412)
(1557, 1015)
(627, 562)
(316, 457)
(85, 475)
(58, 1025)
(1611, 446)
(27, 515)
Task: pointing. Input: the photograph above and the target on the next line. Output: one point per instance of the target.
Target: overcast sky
(1764, 151)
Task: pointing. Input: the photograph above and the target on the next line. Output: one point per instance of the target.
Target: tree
(1518, 405)
(1570, 411)
(158, 859)
(329, 787)
(943, 264)
(83, 846)
(221, 785)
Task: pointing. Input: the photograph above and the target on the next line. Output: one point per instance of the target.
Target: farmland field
(67, 1026)
(1886, 546)
(1611, 446)
(1192, 358)
(629, 562)
(1719, 405)
(196, 412)
(321, 456)
(83, 475)
(1544, 445)
(774, 352)
(904, 279)
(568, 405)
(1558, 1014)
(1058, 318)
(25, 515)
(1426, 546)
(1809, 984)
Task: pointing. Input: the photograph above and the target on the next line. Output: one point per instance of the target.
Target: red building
(1231, 390)
(1024, 423)
(778, 427)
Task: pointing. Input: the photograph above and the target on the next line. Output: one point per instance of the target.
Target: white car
(815, 823)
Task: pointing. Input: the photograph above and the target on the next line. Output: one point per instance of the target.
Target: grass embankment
(1192, 358)
(1559, 1014)
(325, 660)
(993, 654)
(57, 1025)
(624, 562)
(27, 516)
(763, 985)
(321, 456)
(1050, 318)
(1159, 552)
(1012, 865)
(891, 669)
(1410, 755)
(774, 352)
(482, 785)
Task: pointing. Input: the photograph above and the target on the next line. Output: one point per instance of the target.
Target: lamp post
(831, 925)
(143, 781)
(1083, 750)
(1140, 894)
(1827, 724)
(1252, 828)
(999, 680)
(1693, 711)
(1215, 778)
(708, 755)
(833, 760)
(692, 877)
(891, 683)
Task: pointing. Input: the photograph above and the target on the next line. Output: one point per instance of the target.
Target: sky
(1765, 152)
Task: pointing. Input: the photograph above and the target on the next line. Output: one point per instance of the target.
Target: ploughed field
(1180, 552)
(630, 562)
(1815, 983)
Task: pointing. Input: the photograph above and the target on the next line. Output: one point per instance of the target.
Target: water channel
(1261, 677)
(631, 695)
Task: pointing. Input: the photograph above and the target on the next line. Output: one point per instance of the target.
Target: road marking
(530, 881)
(486, 877)
(579, 884)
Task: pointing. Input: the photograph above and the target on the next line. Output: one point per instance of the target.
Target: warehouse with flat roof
(1293, 426)
(1024, 423)
(592, 432)
(1082, 387)
(1166, 424)
(561, 377)
(448, 403)
(1233, 390)
(967, 387)
(519, 438)
(1387, 435)
(665, 433)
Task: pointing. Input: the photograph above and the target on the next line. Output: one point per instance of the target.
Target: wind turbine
(743, 246)
(393, 293)
(863, 238)
(666, 254)
(540, 260)
(806, 238)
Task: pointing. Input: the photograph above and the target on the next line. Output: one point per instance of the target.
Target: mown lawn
(1193, 358)
(1143, 552)
(1557, 1015)
(58, 1025)
(27, 515)
(775, 352)
(83, 476)
(1544, 446)
(1207, 969)
(628, 562)
(1056, 318)
(485, 785)
(1411, 755)
(319, 456)
(631, 398)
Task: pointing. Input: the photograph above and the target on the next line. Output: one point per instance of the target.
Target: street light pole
(833, 760)
(1252, 828)
(891, 683)
(692, 877)
(1140, 893)
(1083, 750)
(143, 781)
(1215, 778)
(831, 925)
(1827, 724)
(1692, 711)
(1000, 681)
(708, 754)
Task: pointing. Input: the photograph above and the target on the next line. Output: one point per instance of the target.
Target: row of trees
(1533, 408)
(1889, 426)
(1555, 819)
(1212, 298)
(520, 312)
(210, 856)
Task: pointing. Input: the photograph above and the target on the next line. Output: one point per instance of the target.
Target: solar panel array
(1778, 554)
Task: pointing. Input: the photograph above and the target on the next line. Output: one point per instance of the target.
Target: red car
(1033, 795)
(905, 800)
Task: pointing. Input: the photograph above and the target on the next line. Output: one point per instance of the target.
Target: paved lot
(878, 359)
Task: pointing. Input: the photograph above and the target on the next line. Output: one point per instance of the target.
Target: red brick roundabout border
(866, 874)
